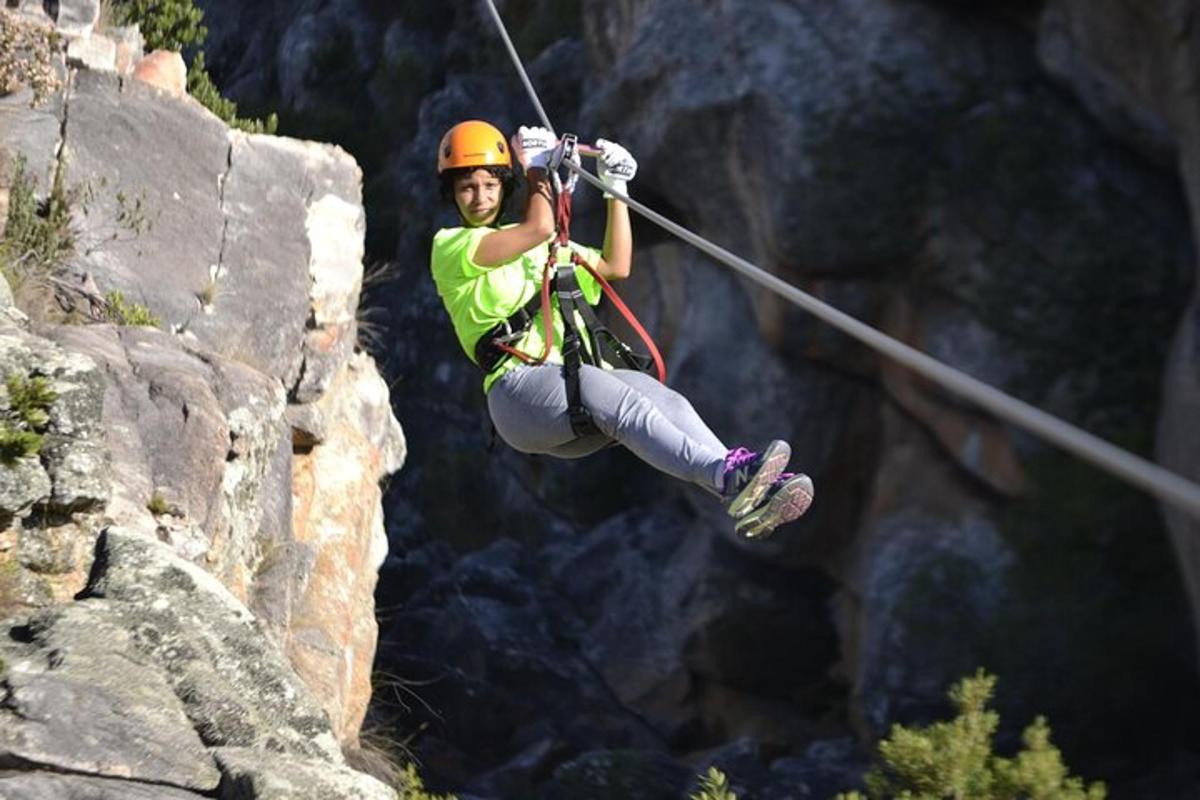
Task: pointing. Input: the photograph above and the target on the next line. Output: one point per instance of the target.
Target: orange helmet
(473, 143)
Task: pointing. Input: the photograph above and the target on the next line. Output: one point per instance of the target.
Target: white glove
(534, 147)
(616, 167)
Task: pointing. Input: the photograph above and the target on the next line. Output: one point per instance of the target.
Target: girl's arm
(501, 246)
(616, 167)
(617, 256)
(532, 147)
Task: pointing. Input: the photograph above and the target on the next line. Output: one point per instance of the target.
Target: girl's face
(477, 195)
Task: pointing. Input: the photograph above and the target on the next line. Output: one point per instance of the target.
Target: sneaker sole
(774, 459)
(788, 504)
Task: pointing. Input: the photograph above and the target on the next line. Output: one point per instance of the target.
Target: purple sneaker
(787, 499)
(748, 475)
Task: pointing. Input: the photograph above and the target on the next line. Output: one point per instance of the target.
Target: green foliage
(38, 236)
(165, 24)
(954, 759)
(158, 505)
(122, 312)
(201, 87)
(714, 786)
(16, 444)
(178, 25)
(26, 417)
(412, 788)
(30, 399)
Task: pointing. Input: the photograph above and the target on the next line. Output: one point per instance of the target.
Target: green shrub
(714, 786)
(201, 87)
(954, 759)
(178, 25)
(412, 788)
(158, 505)
(26, 418)
(16, 444)
(123, 312)
(165, 24)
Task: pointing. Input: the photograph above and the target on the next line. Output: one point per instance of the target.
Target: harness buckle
(566, 152)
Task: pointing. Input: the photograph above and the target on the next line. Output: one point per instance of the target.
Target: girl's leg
(673, 404)
(529, 408)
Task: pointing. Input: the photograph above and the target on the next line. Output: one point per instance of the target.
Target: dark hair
(508, 184)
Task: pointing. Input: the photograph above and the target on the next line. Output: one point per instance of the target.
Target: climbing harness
(590, 343)
(1169, 487)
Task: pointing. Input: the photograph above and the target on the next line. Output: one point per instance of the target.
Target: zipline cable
(1158, 481)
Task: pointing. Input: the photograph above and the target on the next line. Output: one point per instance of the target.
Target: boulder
(130, 47)
(162, 69)
(77, 18)
(93, 52)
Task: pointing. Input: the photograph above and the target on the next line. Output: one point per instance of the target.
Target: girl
(486, 274)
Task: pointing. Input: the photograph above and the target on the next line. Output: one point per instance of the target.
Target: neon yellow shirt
(479, 298)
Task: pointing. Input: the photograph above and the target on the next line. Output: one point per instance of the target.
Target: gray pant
(529, 409)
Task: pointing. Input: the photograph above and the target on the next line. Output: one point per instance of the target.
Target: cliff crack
(15, 765)
(61, 156)
(221, 181)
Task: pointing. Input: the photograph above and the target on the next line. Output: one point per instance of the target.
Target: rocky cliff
(189, 554)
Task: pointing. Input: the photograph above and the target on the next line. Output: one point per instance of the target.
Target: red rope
(611, 293)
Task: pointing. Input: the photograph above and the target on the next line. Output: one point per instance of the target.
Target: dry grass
(371, 315)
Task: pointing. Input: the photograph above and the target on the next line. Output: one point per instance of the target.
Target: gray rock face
(152, 674)
(46, 786)
(235, 684)
(249, 225)
(75, 703)
(94, 53)
(32, 135)
(259, 775)
(193, 428)
(77, 17)
(249, 248)
(929, 587)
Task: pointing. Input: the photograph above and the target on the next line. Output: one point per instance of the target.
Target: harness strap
(570, 297)
(487, 354)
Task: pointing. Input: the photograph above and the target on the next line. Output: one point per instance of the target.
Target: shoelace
(739, 457)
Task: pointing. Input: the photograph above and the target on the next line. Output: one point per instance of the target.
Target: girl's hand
(533, 147)
(615, 166)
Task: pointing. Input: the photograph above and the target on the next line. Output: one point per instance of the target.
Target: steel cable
(1158, 481)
